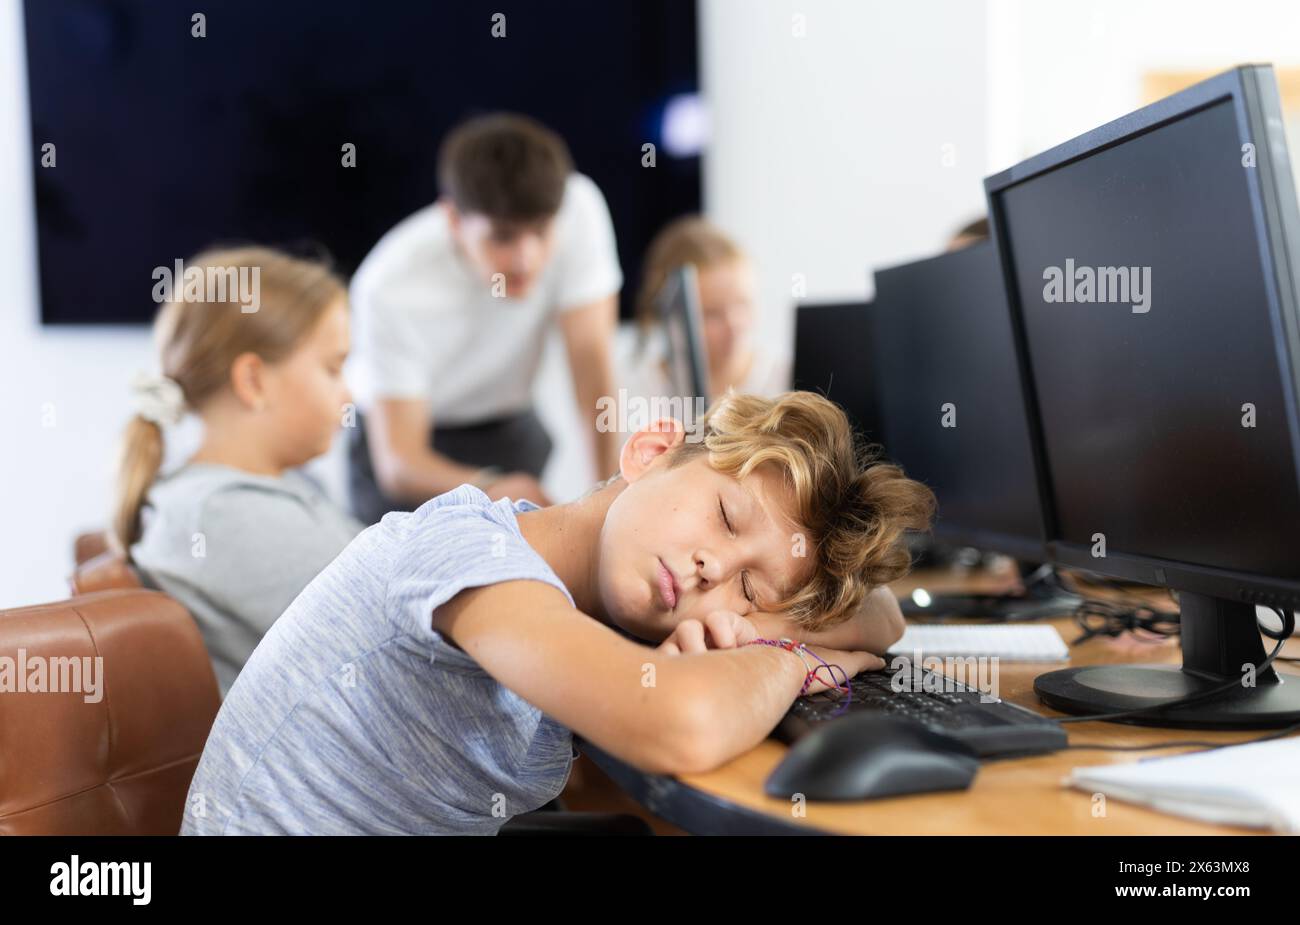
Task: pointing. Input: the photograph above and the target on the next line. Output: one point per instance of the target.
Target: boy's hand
(839, 646)
(877, 625)
(721, 629)
(853, 663)
(724, 629)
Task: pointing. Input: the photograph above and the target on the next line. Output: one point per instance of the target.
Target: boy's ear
(647, 445)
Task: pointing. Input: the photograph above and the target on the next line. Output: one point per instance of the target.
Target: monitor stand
(1218, 637)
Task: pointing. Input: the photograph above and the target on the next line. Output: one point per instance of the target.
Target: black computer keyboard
(996, 729)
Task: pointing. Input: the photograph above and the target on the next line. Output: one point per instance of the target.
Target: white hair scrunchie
(158, 399)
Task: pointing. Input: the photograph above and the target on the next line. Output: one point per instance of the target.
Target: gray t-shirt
(355, 716)
(236, 548)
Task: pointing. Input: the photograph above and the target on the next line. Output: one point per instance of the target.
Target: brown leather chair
(89, 545)
(98, 567)
(107, 571)
(121, 765)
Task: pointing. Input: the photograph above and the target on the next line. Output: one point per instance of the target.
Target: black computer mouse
(865, 756)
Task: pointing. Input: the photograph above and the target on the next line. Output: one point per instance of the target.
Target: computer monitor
(950, 400)
(679, 309)
(832, 357)
(1151, 266)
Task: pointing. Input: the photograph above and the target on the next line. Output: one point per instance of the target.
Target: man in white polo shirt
(451, 310)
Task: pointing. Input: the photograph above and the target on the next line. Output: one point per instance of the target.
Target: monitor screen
(679, 308)
(950, 397)
(832, 357)
(316, 126)
(1151, 331)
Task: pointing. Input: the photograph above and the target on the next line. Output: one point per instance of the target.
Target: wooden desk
(1022, 796)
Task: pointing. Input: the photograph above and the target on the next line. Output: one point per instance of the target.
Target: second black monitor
(832, 357)
(950, 399)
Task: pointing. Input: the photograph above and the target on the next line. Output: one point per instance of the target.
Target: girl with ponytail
(237, 532)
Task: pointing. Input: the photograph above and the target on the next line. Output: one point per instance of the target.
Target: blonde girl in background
(236, 532)
(727, 313)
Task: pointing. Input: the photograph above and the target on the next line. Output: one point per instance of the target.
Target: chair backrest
(114, 757)
(88, 545)
(107, 571)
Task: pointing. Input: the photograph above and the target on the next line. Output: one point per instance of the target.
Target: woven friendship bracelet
(800, 649)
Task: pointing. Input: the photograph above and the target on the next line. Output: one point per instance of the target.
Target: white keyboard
(1011, 643)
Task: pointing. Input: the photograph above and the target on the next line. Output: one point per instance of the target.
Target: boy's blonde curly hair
(855, 505)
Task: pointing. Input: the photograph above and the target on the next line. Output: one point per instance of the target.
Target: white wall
(829, 150)
(1063, 68)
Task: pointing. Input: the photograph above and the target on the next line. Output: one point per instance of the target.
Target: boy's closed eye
(746, 585)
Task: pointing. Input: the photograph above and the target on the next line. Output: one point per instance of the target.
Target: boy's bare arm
(876, 626)
(665, 713)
